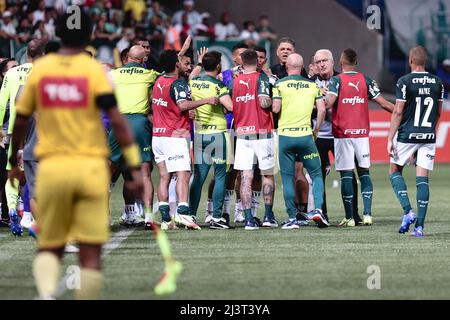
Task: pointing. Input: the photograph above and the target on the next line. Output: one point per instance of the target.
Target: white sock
(172, 190)
(27, 215)
(209, 206)
(227, 201)
(172, 208)
(256, 195)
(238, 207)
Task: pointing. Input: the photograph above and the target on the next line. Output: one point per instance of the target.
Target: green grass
(309, 263)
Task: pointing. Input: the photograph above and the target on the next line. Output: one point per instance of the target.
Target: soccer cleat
(132, 220)
(168, 225)
(226, 216)
(26, 221)
(418, 232)
(347, 223)
(367, 221)
(320, 219)
(239, 216)
(208, 217)
(257, 221)
(357, 219)
(251, 225)
(270, 223)
(168, 282)
(218, 224)
(33, 230)
(188, 221)
(14, 225)
(290, 224)
(408, 219)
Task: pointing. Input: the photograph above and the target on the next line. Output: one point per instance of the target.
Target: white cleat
(70, 248)
(187, 220)
(26, 221)
(239, 216)
(131, 220)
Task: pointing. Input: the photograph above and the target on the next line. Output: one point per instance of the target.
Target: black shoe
(357, 218)
(220, 224)
(226, 216)
(301, 216)
(258, 221)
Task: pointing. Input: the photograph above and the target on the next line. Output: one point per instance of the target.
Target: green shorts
(142, 131)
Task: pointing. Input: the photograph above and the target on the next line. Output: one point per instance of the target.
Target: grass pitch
(308, 263)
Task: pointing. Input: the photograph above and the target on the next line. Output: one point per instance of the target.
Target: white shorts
(403, 153)
(174, 151)
(247, 151)
(346, 149)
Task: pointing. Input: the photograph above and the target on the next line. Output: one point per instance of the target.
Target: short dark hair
(124, 53)
(168, 60)
(351, 56)
(4, 63)
(249, 57)
(35, 48)
(240, 45)
(248, 23)
(52, 46)
(74, 37)
(260, 49)
(286, 40)
(211, 60)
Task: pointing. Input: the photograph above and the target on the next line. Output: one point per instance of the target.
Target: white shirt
(225, 31)
(9, 29)
(194, 17)
(247, 35)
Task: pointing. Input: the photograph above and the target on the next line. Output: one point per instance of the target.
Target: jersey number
(428, 102)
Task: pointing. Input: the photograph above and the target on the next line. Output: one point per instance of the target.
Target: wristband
(132, 155)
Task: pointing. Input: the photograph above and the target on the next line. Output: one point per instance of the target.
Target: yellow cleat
(168, 283)
(168, 225)
(187, 221)
(367, 221)
(347, 223)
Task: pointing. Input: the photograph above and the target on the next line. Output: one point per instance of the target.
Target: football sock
(148, 214)
(219, 193)
(183, 208)
(268, 211)
(129, 208)
(256, 195)
(46, 273)
(423, 196)
(90, 285)
(303, 207)
(227, 201)
(399, 186)
(318, 186)
(164, 209)
(12, 193)
(367, 192)
(248, 214)
(347, 192)
(209, 206)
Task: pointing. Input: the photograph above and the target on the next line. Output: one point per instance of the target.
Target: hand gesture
(201, 53)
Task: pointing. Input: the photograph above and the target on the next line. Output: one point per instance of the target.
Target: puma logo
(160, 88)
(245, 83)
(354, 85)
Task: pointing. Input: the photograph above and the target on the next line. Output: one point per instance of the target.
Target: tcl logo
(64, 92)
(248, 97)
(245, 129)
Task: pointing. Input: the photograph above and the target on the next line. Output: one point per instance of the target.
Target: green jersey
(208, 118)
(421, 92)
(298, 96)
(132, 87)
(14, 79)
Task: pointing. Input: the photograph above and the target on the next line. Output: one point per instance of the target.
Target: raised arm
(198, 67)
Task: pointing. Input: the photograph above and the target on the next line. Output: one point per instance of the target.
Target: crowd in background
(118, 22)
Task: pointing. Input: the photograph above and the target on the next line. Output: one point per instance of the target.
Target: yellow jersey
(298, 96)
(14, 79)
(133, 85)
(62, 89)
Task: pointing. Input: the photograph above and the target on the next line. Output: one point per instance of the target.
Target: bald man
(294, 98)
(133, 85)
(417, 110)
(14, 79)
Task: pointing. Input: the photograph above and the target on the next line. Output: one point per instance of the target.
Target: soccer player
(67, 90)
(348, 97)
(417, 110)
(14, 79)
(210, 140)
(171, 134)
(294, 98)
(254, 126)
(133, 84)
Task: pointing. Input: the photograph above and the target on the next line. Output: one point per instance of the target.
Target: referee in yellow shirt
(67, 91)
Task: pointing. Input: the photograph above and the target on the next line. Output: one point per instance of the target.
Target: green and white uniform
(210, 142)
(298, 96)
